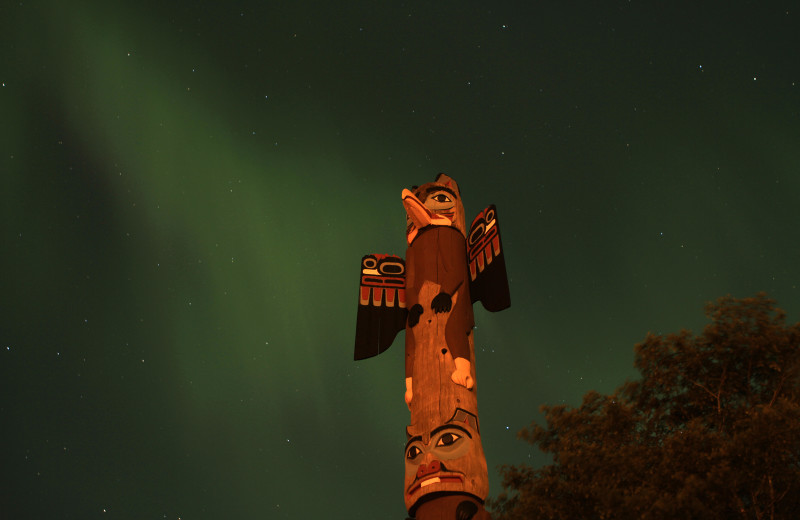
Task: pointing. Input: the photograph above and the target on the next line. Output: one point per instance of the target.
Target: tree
(711, 430)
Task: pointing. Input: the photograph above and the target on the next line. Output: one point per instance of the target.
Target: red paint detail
(401, 296)
(480, 261)
(496, 244)
(433, 466)
(390, 298)
(365, 295)
(377, 296)
(489, 235)
(472, 272)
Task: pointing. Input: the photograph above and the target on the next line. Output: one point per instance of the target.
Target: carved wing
(487, 268)
(381, 304)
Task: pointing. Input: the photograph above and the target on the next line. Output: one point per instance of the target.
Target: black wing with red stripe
(382, 309)
(487, 267)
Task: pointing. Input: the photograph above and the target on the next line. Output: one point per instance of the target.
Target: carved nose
(433, 466)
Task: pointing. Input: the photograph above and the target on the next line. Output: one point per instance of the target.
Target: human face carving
(448, 462)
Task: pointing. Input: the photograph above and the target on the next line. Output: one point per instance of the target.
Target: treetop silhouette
(710, 430)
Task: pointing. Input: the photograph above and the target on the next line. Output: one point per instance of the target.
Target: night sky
(188, 189)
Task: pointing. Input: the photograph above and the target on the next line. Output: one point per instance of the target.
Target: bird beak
(419, 214)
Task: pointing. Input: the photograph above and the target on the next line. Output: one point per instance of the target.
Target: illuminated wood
(446, 270)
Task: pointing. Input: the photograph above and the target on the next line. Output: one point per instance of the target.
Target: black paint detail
(413, 315)
(476, 232)
(377, 324)
(444, 351)
(490, 286)
(391, 269)
(376, 328)
(466, 510)
(442, 302)
(448, 426)
(379, 281)
(435, 188)
(440, 494)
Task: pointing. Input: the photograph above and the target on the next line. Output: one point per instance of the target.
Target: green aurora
(189, 189)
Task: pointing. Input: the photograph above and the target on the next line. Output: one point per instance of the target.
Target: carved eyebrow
(448, 426)
(413, 439)
(431, 189)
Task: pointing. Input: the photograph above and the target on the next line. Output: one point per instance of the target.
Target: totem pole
(430, 295)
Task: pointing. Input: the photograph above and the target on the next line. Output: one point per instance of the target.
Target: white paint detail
(434, 480)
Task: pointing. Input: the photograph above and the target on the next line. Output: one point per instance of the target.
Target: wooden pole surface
(446, 269)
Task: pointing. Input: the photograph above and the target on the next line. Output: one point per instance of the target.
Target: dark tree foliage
(710, 431)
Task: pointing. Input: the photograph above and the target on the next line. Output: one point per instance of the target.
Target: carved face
(450, 460)
(441, 198)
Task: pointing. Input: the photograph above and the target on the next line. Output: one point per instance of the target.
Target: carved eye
(370, 262)
(413, 453)
(441, 197)
(447, 439)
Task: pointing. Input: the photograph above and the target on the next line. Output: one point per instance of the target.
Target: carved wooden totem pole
(430, 295)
